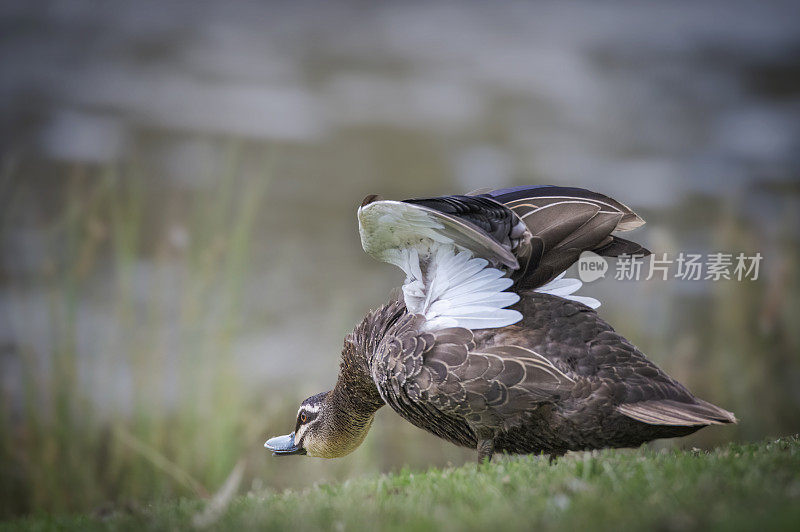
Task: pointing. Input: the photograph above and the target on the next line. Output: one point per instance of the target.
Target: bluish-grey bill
(284, 445)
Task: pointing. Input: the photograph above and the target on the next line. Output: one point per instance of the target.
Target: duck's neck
(345, 419)
(352, 403)
(355, 386)
(350, 412)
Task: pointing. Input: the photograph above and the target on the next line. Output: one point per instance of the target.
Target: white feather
(500, 299)
(566, 288)
(588, 301)
(561, 287)
(445, 283)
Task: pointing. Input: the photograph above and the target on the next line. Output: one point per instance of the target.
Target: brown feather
(669, 412)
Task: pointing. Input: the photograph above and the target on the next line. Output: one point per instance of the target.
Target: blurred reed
(58, 453)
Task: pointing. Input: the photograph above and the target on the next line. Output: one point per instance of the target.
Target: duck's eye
(303, 417)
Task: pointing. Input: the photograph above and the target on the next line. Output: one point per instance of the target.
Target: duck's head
(323, 429)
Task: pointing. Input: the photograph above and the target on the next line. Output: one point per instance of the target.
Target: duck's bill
(281, 445)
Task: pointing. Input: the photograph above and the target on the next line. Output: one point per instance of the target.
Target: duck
(487, 345)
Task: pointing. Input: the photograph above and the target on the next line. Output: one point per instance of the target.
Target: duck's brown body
(465, 386)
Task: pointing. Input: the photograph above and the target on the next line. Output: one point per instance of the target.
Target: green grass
(735, 487)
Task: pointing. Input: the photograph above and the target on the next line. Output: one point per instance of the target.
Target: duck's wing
(564, 222)
(465, 256)
(455, 253)
(488, 387)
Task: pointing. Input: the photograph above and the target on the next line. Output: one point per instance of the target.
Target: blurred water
(648, 101)
(654, 104)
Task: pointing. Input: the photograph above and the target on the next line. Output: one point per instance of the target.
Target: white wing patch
(566, 288)
(457, 290)
(444, 281)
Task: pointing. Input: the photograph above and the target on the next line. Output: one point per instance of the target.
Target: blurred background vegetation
(178, 184)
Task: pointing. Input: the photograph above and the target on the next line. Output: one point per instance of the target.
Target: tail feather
(677, 413)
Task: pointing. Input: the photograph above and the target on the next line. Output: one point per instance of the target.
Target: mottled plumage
(547, 374)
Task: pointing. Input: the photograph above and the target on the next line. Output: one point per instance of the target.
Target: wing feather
(449, 284)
